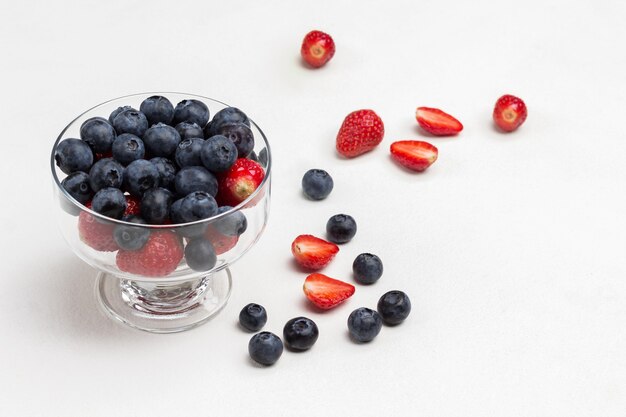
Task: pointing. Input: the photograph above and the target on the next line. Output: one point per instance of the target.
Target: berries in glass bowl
(161, 216)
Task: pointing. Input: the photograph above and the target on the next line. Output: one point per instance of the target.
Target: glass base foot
(164, 307)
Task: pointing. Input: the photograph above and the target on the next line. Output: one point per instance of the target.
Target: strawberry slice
(414, 154)
(437, 122)
(312, 252)
(326, 292)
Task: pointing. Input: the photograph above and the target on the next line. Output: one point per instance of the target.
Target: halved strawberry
(437, 122)
(326, 292)
(312, 252)
(414, 154)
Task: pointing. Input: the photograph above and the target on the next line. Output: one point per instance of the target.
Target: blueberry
(317, 184)
(161, 140)
(107, 172)
(188, 152)
(192, 111)
(98, 133)
(167, 171)
(263, 157)
(140, 176)
(155, 205)
(73, 155)
(394, 307)
(364, 324)
(224, 116)
(300, 333)
(157, 109)
(128, 148)
(265, 348)
(77, 185)
(109, 202)
(233, 224)
(253, 317)
(218, 153)
(198, 205)
(131, 237)
(190, 179)
(340, 228)
(188, 130)
(367, 268)
(131, 121)
(117, 111)
(240, 135)
(200, 255)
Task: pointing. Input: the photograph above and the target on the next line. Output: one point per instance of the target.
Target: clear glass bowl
(184, 298)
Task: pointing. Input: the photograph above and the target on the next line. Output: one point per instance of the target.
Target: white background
(511, 246)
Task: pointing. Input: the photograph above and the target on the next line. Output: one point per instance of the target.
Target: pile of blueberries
(166, 157)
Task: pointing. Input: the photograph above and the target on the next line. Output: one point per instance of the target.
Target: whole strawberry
(159, 256)
(361, 131)
(509, 112)
(221, 243)
(239, 182)
(317, 48)
(96, 234)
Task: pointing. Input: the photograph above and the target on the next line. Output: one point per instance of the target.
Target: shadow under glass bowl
(172, 300)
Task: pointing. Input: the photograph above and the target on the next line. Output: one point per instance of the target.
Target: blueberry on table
(218, 153)
(364, 324)
(77, 185)
(317, 184)
(200, 255)
(131, 237)
(225, 116)
(128, 148)
(106, 173)
(158, 109)
(300, 333)
(265, 348)
(394, 307)
(240, 135)
(253, 317)
(73, 155)
(140, 176)
(167, 171)
(192, 111)
(109, 202)
(233, 224)
(188, 152)
(155, 205)
(367, 268)
(341, 228)
(190, 179)
(188, 130)
(117, 111)
(131, 121)
(98, 133)
(161, 140)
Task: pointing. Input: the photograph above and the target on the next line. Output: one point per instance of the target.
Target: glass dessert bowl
(166, 277)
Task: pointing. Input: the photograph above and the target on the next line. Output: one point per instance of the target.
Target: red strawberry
(361, 131)
(221, 243)
(312, 252)
(509, 112)
(436, 122)
(239, 182)
(159, 257)
(94, 233)
(414, 154)
(317, 48)
(132, 206)
(326, 292)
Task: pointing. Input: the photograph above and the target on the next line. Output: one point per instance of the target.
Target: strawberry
(436, 122)
(361, 131)
(239, 182)
(221, 243)
(326, 292)
(317, 48)
(132, 206)
(509, 112)
(414, 154)
(159, 257)
(94, 233)
(312, 252)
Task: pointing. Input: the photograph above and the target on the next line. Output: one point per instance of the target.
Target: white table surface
(511, 247)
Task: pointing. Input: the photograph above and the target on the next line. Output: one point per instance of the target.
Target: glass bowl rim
(95, 214)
